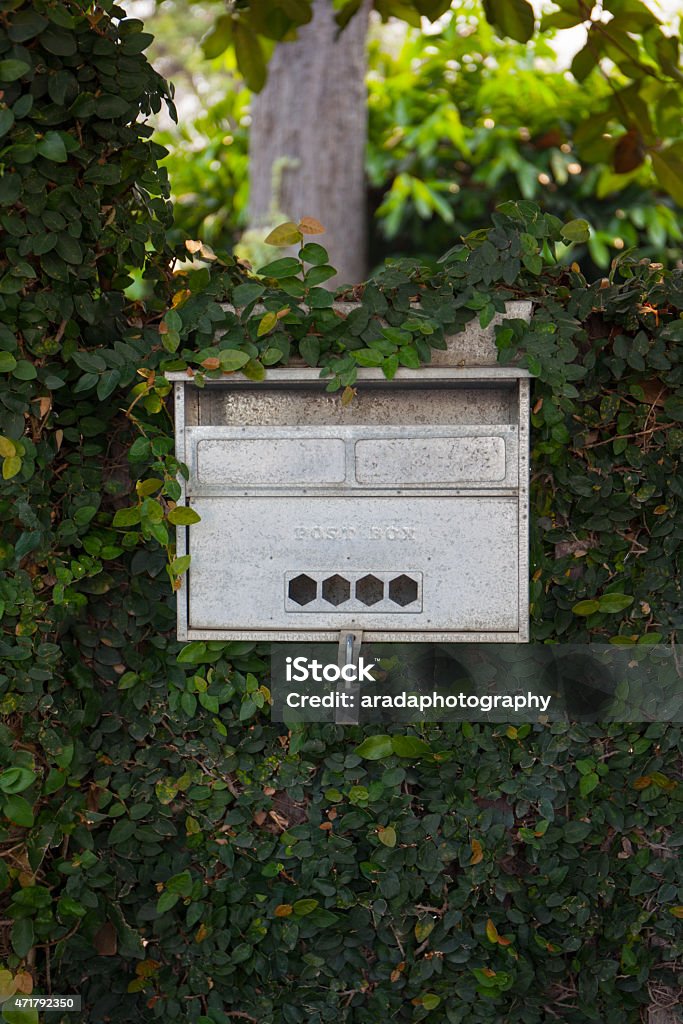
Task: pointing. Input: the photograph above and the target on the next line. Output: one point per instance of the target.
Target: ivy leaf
(19, 811)
(284, 234)
(10, 70)
(181, 515)
(375, 747)
(52, 148)
(409, 746)
(387, 836)
(232, 359)
(303, 907)
(613, 603)
(586, 607)
(268, 322)
(576, 230)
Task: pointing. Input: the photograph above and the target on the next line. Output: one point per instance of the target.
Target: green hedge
(166, 849)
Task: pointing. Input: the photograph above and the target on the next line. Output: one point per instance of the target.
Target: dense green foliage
(166, 849)
(448, 140)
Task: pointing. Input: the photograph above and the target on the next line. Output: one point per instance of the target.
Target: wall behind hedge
(166, 849)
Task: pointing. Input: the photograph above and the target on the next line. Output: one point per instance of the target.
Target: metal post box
(403, 514)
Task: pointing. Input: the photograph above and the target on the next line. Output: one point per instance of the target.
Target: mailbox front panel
(438, 563)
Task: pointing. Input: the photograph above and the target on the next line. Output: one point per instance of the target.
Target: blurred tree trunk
(308, 135)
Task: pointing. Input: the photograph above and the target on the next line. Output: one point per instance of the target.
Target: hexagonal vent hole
(369, 590)
(403, 590)
(302, 589)
(336, 590)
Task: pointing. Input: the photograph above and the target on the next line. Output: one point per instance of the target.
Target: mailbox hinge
(350, 641)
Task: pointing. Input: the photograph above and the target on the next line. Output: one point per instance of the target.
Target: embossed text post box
(403, 514)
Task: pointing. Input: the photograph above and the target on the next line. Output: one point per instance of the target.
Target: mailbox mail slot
(403, 514)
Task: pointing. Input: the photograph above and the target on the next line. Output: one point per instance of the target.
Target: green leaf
(673, 406)
(181, 515)
(7, 362)
(167, 901)
(387, 836)
(514, 18)
(25, 25)
(249, 56)
(316, 275)
(19, 811)
(588, 783)
(576, 230)
(375, 747)
(303, 907)
(232, 359)
(52, 148)
(181, 564)
(268, 322)
(309, 348)
(254, 370)
(192, 653)
(6, 120)
(368, 357)
(22, 938)
(613, 603)
(284, 235)
(430, 1000)
(10, 467)
(409, 746)
(219, 38)
(246, 293)
(127, 516)
(14, 780)
(586, 607)
(285, 267)
(10, 70)
(314, 254)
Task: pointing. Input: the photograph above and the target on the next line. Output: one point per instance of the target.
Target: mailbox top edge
(427, 374)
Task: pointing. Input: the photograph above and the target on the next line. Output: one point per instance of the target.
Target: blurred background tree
(459, 118)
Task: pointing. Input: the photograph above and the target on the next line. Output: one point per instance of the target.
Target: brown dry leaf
(279, 820)
(310, 226)
(283, 910)
(106, 940)
(629, 152)
(348, 395)
(259, 817)
(24, 982)
(642, 782)
(326, 826)
(201, 934)
(211, 363)
(477, 852)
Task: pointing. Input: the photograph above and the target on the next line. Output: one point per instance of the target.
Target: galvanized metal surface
(404, 514)
(463, 553)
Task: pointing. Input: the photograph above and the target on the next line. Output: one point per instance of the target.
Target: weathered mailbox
(403, 515)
